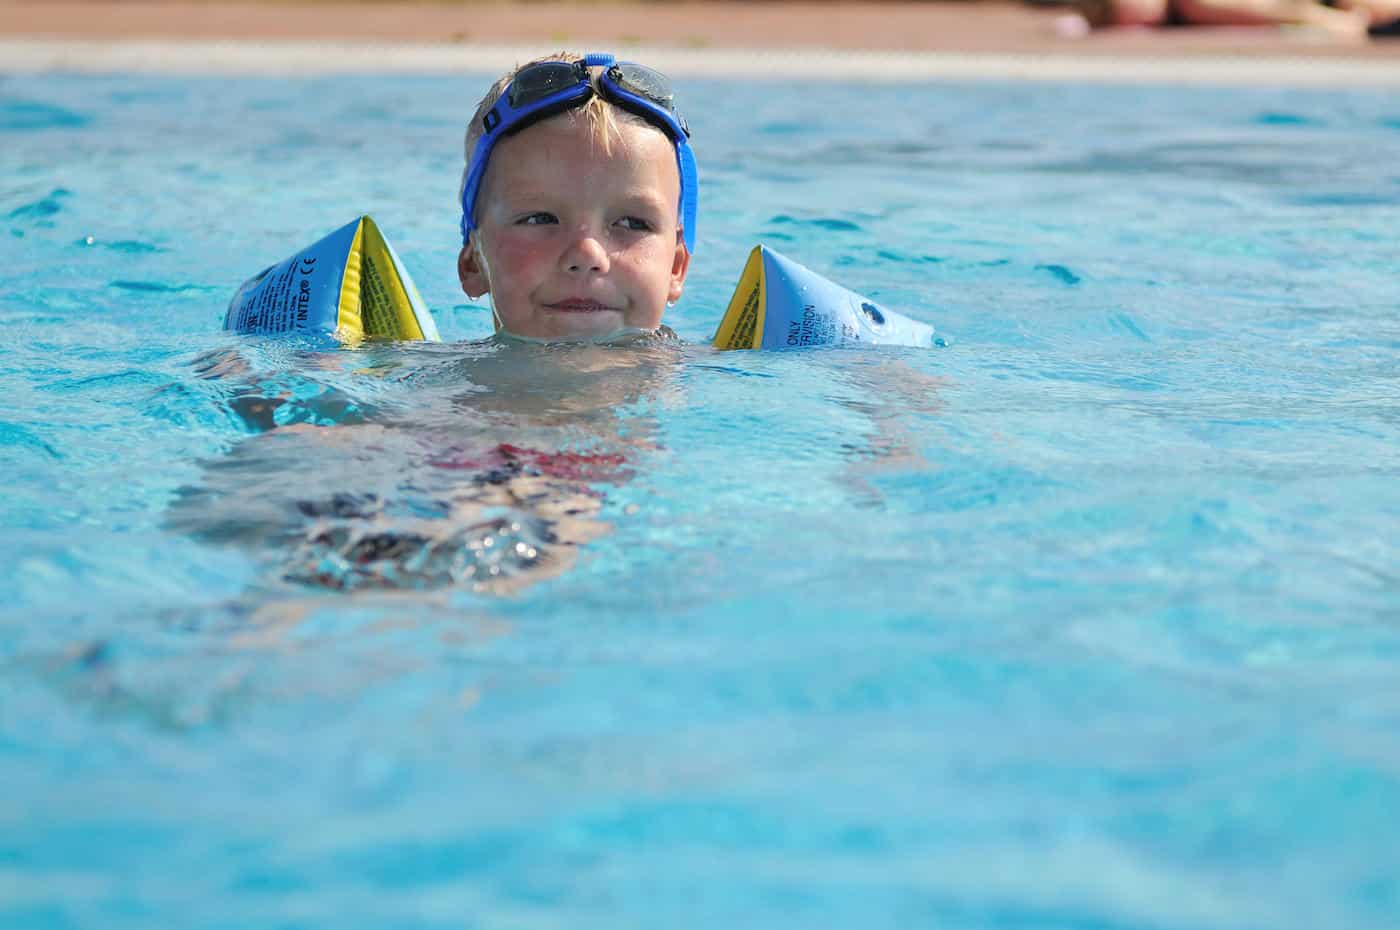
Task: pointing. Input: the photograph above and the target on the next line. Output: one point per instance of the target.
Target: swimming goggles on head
(542, 89)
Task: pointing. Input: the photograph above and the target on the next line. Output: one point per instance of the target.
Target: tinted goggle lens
(644, 82)
(544, 80)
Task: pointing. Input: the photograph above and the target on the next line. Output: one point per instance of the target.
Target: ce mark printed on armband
(308, 267)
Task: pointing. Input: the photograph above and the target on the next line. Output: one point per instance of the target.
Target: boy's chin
(592, 326)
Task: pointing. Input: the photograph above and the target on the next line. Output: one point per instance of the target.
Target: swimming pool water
(1090, 619)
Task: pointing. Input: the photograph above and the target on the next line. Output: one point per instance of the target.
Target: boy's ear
(680, 264)
(471, 272)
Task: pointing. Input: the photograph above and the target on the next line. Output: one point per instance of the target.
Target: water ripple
(27, 116)
(42, 209)
(124, 246)
(12, 434)
(161, 287)
(831, 224)
(1060, 273)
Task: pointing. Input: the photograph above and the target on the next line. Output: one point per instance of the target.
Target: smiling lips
(578, 305)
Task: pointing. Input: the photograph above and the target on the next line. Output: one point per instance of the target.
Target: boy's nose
(586, 254)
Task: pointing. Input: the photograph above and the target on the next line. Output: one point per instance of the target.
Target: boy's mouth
(577, 305)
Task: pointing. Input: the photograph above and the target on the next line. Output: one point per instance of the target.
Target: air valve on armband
(780, 304)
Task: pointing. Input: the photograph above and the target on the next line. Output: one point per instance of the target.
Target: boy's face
(574, 242)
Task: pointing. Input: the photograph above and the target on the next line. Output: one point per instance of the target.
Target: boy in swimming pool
(578, 200)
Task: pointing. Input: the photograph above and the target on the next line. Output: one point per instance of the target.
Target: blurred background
(1038, 27)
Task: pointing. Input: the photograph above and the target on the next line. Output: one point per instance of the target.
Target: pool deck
(875, 41)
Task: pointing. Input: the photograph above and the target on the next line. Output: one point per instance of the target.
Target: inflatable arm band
(350, 285)
(780, 304)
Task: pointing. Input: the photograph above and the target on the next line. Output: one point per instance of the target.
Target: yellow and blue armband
(350, 285)
(780, 304)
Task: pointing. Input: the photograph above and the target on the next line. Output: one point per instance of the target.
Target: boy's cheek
(516, 254)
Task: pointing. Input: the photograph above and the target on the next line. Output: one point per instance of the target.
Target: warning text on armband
(281, 302)
(818, 329)
(742, 337)
(376, 305)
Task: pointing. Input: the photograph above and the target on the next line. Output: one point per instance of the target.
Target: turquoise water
(1090, 619)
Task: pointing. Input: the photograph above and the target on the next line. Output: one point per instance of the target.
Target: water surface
(1086, 620)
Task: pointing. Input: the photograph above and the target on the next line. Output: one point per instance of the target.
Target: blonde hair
(602, 117)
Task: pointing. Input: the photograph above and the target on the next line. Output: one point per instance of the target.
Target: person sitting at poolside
(578, 200)
(1344, 19)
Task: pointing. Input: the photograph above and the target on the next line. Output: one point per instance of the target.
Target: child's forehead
(606, 125)
(560, 140)
(565, 162)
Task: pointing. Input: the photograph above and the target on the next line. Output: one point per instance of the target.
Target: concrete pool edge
(302, 57)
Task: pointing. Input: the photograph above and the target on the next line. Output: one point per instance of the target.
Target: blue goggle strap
(498, 121)
(685, 158)
(503, 117)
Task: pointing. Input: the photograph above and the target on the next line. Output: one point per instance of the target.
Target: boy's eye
(635, 224)
(538, 219)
